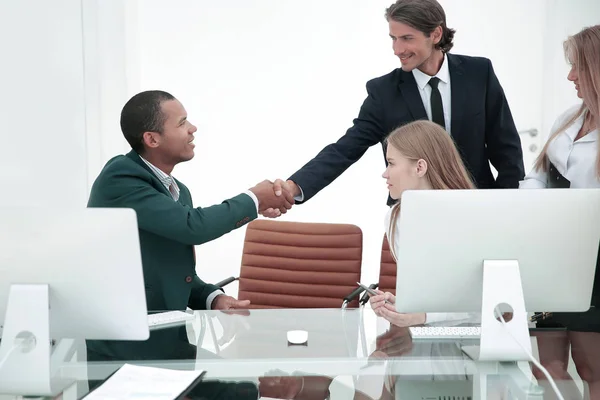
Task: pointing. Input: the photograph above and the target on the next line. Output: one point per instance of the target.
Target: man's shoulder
(468, 61)
(117, 172)
(386, 80)
(122, 164)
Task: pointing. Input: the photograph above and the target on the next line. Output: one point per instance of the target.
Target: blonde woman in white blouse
(421, 156)
(572, 148)
(571, 159)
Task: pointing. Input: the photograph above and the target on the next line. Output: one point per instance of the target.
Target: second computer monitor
(446, 235)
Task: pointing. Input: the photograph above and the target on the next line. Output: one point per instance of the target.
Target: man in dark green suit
(156, 126)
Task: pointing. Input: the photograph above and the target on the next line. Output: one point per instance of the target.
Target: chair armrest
(351, 296)
(365, 297)
(227, 281)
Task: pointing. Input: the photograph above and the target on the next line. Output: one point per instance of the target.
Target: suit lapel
(458, 95)
(410, 94)
(184, 194)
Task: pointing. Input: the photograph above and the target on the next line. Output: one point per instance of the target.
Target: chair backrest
(299, 264)
(387, 269)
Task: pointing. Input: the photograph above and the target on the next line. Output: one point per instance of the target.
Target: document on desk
(139, 382)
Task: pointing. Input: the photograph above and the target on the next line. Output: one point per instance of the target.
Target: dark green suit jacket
(168, 231)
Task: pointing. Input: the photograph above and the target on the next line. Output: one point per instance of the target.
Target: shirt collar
(164, 178)
(443, 74)
(573, 129)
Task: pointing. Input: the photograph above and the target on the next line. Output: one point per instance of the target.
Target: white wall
(42, 107)
(112, 73)
(269, 83)
(67, 68)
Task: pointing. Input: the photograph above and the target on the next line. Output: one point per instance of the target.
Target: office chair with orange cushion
(387, 269)
(299, 264)
(387, 273)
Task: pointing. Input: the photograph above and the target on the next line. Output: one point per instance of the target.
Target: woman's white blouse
(575, 160)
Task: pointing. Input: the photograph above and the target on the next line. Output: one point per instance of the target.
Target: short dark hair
(423, 15)
(143, 113)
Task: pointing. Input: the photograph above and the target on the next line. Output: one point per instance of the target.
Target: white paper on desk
(137, 382)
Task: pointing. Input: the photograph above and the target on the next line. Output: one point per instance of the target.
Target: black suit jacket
(481, 126)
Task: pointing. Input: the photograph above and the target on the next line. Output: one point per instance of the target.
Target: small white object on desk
(297, 337)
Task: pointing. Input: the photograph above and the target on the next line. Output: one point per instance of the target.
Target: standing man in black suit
(460, 93)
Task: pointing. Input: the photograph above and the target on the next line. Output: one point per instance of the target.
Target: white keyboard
(445, 332)
(168, 318)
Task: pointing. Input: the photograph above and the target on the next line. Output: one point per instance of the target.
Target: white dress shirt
(440, 319)
(169, 182)
(575, 160)
(443, 75)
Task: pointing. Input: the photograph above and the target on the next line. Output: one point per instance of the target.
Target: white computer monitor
(470, 250)
(65, 273)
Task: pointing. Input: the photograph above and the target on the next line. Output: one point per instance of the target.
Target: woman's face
(574, 77)
(584, 91)
(402, 173)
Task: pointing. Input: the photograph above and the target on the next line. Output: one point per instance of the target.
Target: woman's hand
(378, 301)
(383, 306)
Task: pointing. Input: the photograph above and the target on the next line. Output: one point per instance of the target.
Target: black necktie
(437, 109)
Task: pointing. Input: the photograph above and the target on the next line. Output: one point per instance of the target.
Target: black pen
(372, 292)
(539, 316)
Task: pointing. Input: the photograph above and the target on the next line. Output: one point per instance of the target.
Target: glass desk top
(348, 354)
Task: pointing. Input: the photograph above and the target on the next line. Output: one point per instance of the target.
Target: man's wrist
(295, 188)
(296, 191)
(254, 198)
(210, 300)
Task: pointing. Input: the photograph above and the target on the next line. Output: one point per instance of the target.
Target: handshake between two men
(275, 198)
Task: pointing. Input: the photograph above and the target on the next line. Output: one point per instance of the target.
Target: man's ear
(421, 168)
(151, 139)
(436, 35)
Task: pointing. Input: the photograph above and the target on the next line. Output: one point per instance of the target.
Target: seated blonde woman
(421, 156)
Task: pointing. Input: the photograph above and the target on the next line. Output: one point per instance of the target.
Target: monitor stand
(502, 285)
(25, 349)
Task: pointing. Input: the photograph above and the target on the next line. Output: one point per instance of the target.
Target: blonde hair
(429, 141)
(583, 51)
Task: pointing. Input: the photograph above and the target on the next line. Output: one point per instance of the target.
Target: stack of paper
(137, 382)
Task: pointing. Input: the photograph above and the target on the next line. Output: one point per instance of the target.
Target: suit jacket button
(188, 279)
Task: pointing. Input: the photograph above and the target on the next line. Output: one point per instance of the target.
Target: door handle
(531, 132)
